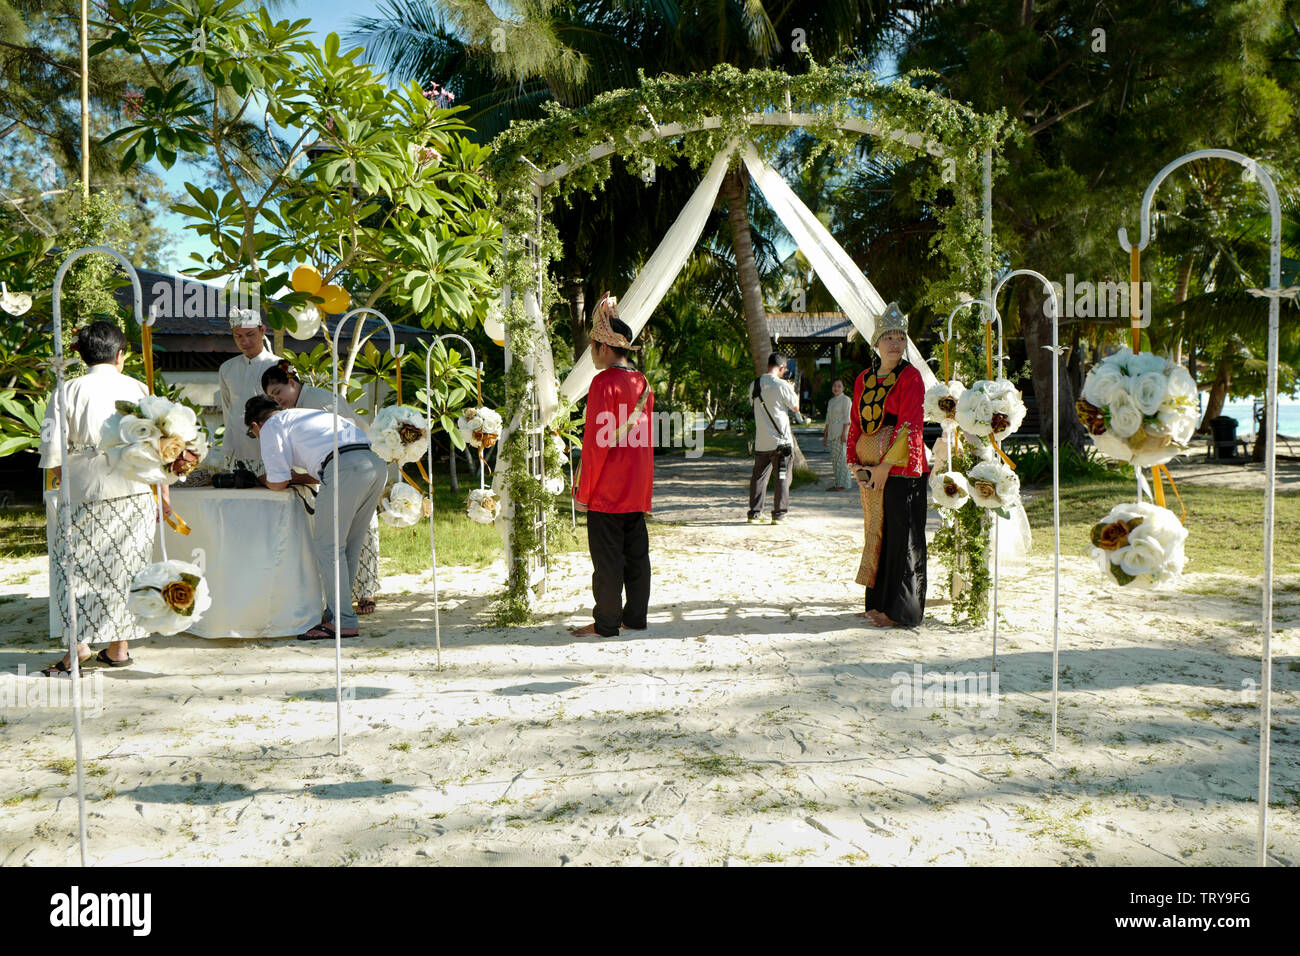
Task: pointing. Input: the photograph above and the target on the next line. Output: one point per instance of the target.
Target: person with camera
(304, 438)
(774, 403)
(281, 383)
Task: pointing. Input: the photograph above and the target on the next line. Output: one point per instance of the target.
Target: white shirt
(322, 398)
(241, 379)
(837, 414)
(782, 403)
(301, 438)
(91, 401)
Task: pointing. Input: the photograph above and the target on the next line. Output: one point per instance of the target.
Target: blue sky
(327, 16)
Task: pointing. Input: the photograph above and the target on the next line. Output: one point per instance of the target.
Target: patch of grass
(403, 746)
(564, 810)
(64, 766)
(18, 798)
(716, 765)
(1226, 523)
(22, 532)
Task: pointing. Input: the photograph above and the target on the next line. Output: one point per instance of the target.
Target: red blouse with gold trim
(904, 398)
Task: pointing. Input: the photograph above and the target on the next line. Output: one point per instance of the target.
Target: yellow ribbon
(994, 442)
(1159, 474)
(174, 521)
(146, 346)
(947, 374)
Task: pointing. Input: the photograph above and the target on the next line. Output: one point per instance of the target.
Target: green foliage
(319, 161)
(87, 292)
(453, 389)
(961, 544)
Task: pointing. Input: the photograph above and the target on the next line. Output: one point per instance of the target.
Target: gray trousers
(361, 476)
(764, 462)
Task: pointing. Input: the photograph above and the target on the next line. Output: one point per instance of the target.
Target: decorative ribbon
(994, 442)
(1159, 474)
(1135, 298)
(146, 346)
(174, 521)
(947, 374)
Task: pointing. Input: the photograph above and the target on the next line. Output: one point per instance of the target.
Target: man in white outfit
(241, 379)
(304, 438)
(774, 403)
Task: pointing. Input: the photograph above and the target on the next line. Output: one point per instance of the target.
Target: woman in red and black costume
(887, 453)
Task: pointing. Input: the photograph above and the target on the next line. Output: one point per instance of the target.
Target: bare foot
(588, 631)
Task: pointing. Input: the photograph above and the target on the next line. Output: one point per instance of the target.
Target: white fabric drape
(843, 279)
(660, 271)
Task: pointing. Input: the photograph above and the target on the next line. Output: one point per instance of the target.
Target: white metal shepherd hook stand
(396, 351)
(64, 510)
(428, 414)
(1274, 293)
(1055, 349)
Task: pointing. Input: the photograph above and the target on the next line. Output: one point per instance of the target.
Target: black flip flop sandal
(60, 669)
(103, 658)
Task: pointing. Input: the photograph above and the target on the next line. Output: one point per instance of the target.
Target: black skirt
(899, 591)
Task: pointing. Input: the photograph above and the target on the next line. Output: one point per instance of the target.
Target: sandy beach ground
(756, 721)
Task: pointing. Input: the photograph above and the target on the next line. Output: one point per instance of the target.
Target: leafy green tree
(1105, 95)
(317, 160)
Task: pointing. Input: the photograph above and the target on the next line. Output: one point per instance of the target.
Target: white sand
(752, 723)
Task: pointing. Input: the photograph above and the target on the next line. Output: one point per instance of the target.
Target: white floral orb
(1140, 543)
(480, 427)
(951, 490)
(399, 433)
(482, 506)
(168, 597)
(993, 485)
(403, 506)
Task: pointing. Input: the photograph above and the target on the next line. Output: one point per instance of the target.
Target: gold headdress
(601, 331)
(892, 320)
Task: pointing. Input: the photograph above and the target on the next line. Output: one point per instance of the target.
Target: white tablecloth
(254, 547)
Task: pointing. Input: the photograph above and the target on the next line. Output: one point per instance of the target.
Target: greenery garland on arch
(714, 109)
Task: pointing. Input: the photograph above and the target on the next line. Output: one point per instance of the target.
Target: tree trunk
(1037, 327)
(451, 465)
(1180, 296)
(735, 188)
(1218, 392)
(577, 316)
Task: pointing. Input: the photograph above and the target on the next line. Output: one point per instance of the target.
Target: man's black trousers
(620, 560)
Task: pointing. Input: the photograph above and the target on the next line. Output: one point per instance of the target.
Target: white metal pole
(428, 410)
(1274, 293)
(396, 352)
(1055, 306)
(64, 507)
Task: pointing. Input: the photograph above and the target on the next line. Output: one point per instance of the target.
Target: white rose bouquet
(482, 506)
(990, 408)
(941, 400)
(480, 427)
(994, 486)
(168, 597)
(155, 440)
(1140, 543)
(403, 506)
(1139, 409)
(951, 490)
(399, 433)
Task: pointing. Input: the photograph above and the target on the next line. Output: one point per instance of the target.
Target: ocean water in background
(1288, 415)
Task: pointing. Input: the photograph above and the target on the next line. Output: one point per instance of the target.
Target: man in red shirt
(617, 478)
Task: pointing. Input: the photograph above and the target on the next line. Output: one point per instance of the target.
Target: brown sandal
(366, 606)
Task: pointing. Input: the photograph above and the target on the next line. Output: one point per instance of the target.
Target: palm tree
(504, 67)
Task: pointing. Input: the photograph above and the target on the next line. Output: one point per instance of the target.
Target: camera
(239, 478)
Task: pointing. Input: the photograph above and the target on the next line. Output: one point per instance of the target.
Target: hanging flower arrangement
(990, 408)
(1141, 409)
(155, 441)
(482, 506)
(168, 597)
(941, 402)
(480, 427)
(993, 485)
(399, 433)
(1140, 543)
(950, 489)
(403, 506)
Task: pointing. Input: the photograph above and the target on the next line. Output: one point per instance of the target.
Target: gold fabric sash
(868, 451)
